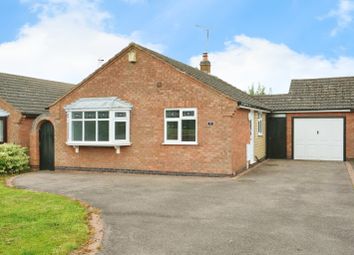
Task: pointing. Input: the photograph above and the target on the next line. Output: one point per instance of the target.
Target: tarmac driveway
(281, 207)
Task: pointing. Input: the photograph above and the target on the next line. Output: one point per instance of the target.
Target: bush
(13, 159)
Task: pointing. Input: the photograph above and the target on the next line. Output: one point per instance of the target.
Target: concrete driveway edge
(350, 171)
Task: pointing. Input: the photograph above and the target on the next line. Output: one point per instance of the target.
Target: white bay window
(181, 126)
(99, 122)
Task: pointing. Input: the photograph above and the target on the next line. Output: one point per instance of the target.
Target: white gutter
(314, 111)
(253, 109)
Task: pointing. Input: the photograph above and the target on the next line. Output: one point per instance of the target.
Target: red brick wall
(241, 137)
(137, 84)
(18, 126)
(349, 130)
(24, 131)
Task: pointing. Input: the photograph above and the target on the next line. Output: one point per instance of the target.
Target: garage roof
(314, 94)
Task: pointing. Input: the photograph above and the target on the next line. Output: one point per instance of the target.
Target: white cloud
(246, 61)
(344, 15)
(66, 42)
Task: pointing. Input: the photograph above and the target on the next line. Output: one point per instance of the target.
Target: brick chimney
(205, 63)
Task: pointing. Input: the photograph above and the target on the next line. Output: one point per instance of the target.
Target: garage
(318, 138)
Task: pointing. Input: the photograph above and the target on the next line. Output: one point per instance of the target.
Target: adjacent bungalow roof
(31, 95)
(314, 94)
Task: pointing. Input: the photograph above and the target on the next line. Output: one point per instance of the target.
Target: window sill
(179, 143)
(93, 144)
(260, 135)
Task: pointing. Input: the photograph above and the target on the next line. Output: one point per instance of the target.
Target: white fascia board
(313, 111)
(253, 109)
(87, 109)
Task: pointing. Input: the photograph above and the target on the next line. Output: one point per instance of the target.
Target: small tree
(251, 90)
(260, 91)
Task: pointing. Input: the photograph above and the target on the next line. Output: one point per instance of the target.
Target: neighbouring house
(22, 100)
(314, 121)
(145, 112)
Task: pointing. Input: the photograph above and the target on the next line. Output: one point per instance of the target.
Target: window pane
(172, 130)
(172, 114)
(260, 127)
(120, 133)
(120, 114)
(90, 130)
(103, 115)
(1, 131)
(103, 130)
(76, 115)
(90, 115)
(76, 130)
(188, 113)
(188, 130)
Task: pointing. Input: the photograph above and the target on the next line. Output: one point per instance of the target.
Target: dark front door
(276, 137)
(46, 146)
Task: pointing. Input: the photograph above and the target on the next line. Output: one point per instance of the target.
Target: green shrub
(13, 159)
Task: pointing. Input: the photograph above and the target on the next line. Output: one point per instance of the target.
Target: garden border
(94, 220)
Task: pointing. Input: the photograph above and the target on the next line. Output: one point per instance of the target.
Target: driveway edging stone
(350, 172)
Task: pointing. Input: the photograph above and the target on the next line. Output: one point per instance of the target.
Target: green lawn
(39, 223)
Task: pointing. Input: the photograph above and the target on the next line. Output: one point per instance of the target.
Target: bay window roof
(101, 103)
(3, 113)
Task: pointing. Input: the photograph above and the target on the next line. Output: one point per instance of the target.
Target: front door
(276, 137)
(46, 146)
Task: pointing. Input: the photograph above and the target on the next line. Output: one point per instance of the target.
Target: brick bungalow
(145, 112)
(22, 100)
(314, 121)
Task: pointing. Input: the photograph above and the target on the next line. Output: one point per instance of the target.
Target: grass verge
(34, 223)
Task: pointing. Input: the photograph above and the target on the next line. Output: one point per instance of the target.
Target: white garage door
(319, 139)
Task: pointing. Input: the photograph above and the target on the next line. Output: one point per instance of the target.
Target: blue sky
(267, 42)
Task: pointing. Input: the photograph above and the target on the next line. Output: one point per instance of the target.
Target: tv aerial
(207, 35)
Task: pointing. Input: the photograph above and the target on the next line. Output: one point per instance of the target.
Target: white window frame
(260, 123)
(125, 119)
(2, 130)
(179, 127)
(3, 118)
(112, 142)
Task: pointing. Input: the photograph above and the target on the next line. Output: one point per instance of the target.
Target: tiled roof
(223, 87)
(30, 95)
(314, 94)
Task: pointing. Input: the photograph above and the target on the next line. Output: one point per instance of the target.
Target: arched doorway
(46, 146)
